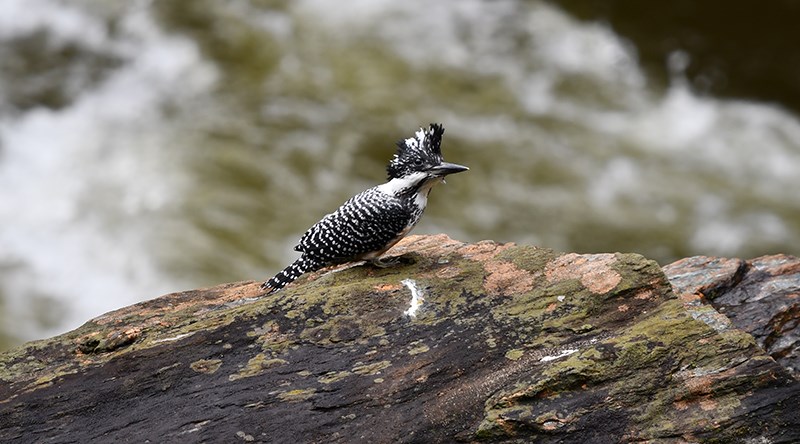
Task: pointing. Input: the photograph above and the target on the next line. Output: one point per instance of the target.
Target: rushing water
(148, 147)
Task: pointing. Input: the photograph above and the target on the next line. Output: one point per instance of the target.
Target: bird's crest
(425, 148)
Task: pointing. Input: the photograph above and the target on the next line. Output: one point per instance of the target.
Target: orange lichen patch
(550, 308)
(646, 294)
(681, 405)
(623, 308)
(547, 394)
(117, 330)
(483, 250)
(780, 264)
(593, 270)
(690, 298)
(437, 245)
(708, 404)
(448, 272)
(174, 302)
(506, 278)
(700, 385)
(385, 288)
(504, 425)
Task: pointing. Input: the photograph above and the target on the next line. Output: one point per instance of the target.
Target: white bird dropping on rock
(416, 297)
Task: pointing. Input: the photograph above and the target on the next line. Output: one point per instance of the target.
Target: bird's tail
(291, 273)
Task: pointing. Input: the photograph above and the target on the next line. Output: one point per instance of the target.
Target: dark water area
(149, 147)
(737, 49)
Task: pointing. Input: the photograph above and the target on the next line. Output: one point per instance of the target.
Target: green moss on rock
(512, 343)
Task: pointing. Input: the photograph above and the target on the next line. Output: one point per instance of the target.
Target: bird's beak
(445, 168)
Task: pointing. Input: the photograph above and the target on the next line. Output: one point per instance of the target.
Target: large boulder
(760, 296)
(464, 342)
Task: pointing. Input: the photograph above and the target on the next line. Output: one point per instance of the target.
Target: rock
(510, 344)
(760, 296)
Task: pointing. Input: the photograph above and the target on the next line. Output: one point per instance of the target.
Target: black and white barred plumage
(371, 222)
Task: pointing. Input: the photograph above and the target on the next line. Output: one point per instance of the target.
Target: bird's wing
(365, 223)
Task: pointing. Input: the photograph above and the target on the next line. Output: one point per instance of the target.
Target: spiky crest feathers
(425, 148)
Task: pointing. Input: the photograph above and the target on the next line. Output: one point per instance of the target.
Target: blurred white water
(86, 186)
(573, 148)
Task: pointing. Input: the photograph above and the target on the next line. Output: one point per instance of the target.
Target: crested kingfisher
(371, 222)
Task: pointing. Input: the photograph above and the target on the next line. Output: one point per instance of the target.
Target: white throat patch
(395, 187)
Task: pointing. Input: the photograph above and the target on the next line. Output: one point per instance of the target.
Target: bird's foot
(384, 263)
(390, 261)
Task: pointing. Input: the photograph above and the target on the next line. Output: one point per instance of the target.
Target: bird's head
(421, 157)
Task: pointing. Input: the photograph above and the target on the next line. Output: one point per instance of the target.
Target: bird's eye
(418, 162)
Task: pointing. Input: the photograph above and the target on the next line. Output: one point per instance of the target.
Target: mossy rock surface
(511, 344)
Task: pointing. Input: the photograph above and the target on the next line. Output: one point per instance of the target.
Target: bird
(371, 222)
